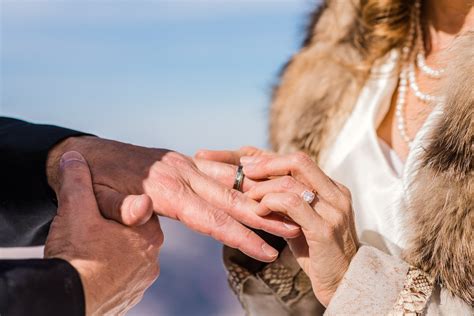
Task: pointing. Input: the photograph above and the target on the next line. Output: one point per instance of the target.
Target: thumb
(130, 210)
(75, 192)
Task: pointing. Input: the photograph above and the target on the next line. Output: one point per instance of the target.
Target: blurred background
(176, 74)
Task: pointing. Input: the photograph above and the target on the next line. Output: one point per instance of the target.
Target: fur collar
(315, 95)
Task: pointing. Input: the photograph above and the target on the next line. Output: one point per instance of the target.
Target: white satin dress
(375, 175)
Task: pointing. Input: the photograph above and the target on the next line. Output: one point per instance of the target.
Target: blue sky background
(177, 74)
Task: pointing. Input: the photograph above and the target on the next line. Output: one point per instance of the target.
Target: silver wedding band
(239, 178)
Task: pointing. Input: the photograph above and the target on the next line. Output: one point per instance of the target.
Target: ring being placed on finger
(308, 196)
(239, 178)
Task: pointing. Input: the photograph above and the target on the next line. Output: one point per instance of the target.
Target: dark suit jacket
(27, 207)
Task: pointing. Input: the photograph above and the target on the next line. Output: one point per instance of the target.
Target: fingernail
(70, 156)
(269, 251)
(136, 206)
(290, 225)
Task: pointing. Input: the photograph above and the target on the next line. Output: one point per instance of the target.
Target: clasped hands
(328, 239)
(130, 184)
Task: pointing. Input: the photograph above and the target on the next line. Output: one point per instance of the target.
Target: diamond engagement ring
(239, 178)
(308, 196)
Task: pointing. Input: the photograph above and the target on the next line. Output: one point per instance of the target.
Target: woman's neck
(447, 18)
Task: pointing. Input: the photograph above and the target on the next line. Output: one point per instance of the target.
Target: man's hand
(121, 173)
(116, 263)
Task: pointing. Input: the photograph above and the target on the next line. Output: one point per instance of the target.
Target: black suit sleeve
(40, 287)
(27, 207)
(26, 201)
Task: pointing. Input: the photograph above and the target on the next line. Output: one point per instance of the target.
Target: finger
(208, 220)
(75, 192)
(223, 172)
(332, 215)
(240, 207)
(226, 156)
(293, 206)
(276, 185)
(301, 166)
(229, 156)
(130, 210)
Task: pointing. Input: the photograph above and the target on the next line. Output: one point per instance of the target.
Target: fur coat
(314, 97)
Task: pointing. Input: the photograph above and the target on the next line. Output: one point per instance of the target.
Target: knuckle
(288, 182)
(253, 190)
(177, 160)
(246, 237)
(233, 197)
(177, 187)
(167, 182)
(333, 195)
(337, 224)
(339, 219)
(220, 219)
(292, 200)
(302, 158)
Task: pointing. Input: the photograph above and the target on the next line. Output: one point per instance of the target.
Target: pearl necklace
(407, 75)
(403, 82)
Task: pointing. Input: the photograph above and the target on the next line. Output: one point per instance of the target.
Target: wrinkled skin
(329, 240)
(174, 187)
(116, 263)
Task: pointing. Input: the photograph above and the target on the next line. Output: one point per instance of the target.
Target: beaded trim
(277, 277)
(415, 295)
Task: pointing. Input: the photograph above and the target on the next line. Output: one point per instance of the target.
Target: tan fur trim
(441, 213)
(316, 88)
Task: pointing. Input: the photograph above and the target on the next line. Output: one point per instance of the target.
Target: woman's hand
(230, 156)
(329, 241)
(221, 165)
